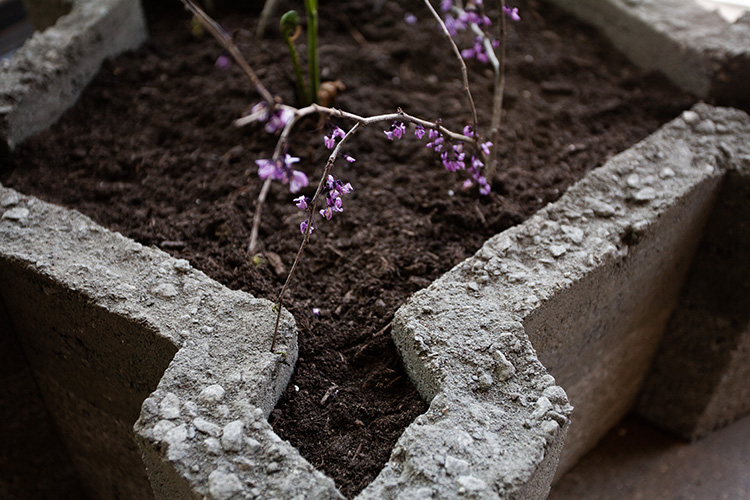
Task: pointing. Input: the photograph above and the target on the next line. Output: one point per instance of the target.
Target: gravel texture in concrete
(589, 281)
(101, 318)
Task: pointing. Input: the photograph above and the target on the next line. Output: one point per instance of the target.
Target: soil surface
(150, 151)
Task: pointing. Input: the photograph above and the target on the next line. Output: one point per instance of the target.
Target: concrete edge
(205, 424)
(470, 340)
(697, 49)
(497, 419)
(47, 74)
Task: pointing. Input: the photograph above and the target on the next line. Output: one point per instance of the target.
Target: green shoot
(313, 68)
(290, 30)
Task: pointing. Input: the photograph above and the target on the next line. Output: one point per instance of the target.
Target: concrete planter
(159, 380)
(703, 46)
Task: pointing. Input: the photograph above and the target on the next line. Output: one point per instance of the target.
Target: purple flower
(223, 61)
(445, 5)
(302, 202)
(316, 312)
(282, 171)
(268, 168)
(278, 120)
(297, 181)
(437, 144)
(470, 17)
(484, 186)
(419, 131)
(476, 52)
(262, 109)
(303, 226)
(350, 159)
(469, 131)
(334, 189)
(327, 213)
(512, 13)
(433, 134)
(454, 25)
(330, 142)
(486, 147)
(396, 132)
(410, 18)
(476, 163)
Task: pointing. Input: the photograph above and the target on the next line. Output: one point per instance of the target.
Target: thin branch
(226, 41)
(308, 230)
(265, 15)
(464, 72)
(497, 101)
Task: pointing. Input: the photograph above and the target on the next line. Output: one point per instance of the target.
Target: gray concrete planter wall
(115, 332)
(46, 75)
(158, 380)
(703, 52)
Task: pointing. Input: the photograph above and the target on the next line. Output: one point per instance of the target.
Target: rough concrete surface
(592, 280)
(115, 332)
(700, 379)
(46, 75)
(699, 50)
(101, 317)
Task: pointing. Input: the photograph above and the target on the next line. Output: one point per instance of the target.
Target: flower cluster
(276, 120)
(334, 189)
(453, 156)
(396, 132)
(478, 51)
(281, 170)
(472, 14)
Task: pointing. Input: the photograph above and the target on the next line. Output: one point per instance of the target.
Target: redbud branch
(497, 102)
(281, 144)
(464, 72)
(226, 41)
(308, 230)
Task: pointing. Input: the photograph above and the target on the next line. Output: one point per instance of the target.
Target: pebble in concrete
(232, 437)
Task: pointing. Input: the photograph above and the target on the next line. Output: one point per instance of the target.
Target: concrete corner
(698, 48)
(586, 285)
(104, 321)
(46, 75)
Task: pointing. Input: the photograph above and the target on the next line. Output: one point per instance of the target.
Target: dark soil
(150, 151)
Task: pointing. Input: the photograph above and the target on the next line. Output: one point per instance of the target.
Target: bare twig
(226, 41)
(464, 72)
(498, 64)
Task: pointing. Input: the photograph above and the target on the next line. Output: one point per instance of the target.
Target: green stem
(313, 68)
(301, 87)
